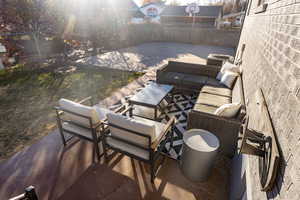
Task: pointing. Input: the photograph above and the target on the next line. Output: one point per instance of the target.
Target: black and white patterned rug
(178, 107)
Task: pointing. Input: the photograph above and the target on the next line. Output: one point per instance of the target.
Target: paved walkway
(145, 56)
(72, 173)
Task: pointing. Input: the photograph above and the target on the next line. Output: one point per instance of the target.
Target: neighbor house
(208, 15)
(152, 10)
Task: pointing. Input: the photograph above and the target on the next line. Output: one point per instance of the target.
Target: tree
(32, 17)
(30, 12)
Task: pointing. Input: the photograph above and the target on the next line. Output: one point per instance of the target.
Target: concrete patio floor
(71, 172)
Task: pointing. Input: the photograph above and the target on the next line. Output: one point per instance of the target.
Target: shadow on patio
(72, 173)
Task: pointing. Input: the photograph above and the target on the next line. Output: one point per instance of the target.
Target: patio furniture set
(137, 130)
(120, 130)
(213, 94)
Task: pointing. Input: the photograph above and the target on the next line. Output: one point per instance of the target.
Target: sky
(182, 2)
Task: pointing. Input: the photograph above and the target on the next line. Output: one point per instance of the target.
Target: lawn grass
(27, 99)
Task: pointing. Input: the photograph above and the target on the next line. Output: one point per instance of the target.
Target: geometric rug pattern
(178, 107)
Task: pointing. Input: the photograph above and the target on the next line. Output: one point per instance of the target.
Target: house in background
(207, 15)
(152, 11)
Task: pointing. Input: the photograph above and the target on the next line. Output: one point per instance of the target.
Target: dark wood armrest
(119, 109)
(58, 111)
(95, 126)
(170, 123)
(128, 109)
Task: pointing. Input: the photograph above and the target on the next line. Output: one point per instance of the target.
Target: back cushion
(79, 109)
(130, 124)
(191, 68)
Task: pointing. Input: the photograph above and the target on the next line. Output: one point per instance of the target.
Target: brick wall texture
(271, 61)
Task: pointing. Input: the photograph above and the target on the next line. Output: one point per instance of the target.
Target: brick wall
(271, 61)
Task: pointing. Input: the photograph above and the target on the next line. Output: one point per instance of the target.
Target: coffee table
(151, 97)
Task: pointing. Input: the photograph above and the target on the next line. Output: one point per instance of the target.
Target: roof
(205, 11)
(138, 14)
(157, 4)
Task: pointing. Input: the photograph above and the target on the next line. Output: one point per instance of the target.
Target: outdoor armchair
(84, 122)
(29, 194)
(137, 137)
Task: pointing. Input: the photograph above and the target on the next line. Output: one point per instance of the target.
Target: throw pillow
(230, 67)
(228, 110)
(227, 66)
(228, 79)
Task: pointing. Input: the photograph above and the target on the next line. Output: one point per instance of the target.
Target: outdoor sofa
(218, 59)
(188, 77)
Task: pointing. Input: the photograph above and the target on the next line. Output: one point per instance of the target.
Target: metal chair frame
(93, 128)
(154, 149)
(29, 194)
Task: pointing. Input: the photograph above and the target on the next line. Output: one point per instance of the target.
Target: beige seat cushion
(217, 90)
(212, 100)
(128, 148)
(137, 124)
(205, 108)
(159, 127)
(78, 130)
